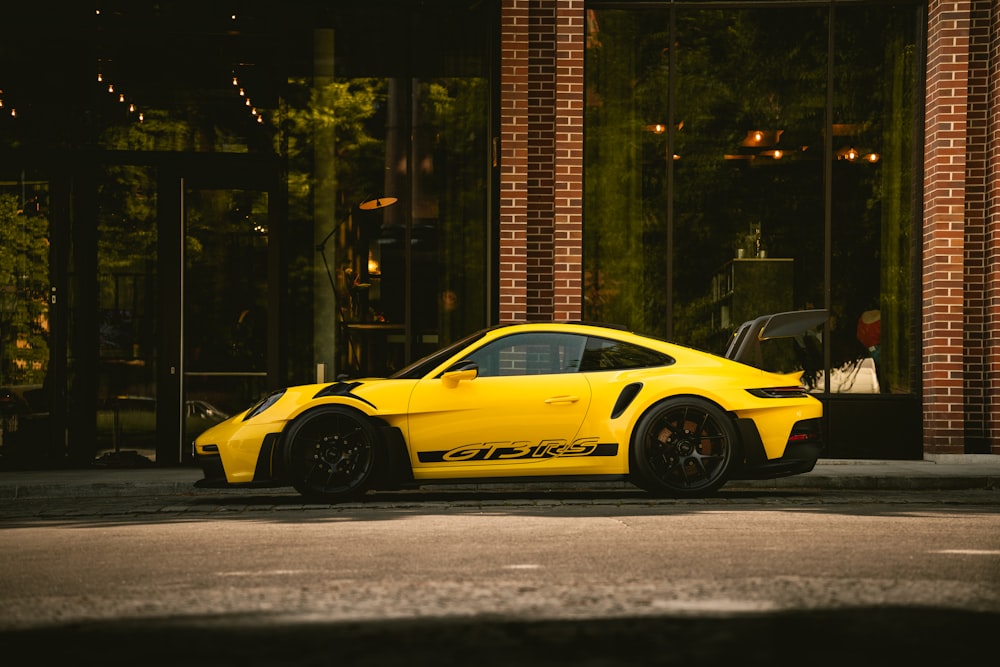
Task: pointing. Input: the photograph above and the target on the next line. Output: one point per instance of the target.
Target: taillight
(807, 430)
(779, 392)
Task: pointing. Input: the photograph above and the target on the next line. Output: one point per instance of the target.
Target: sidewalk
(943, 473)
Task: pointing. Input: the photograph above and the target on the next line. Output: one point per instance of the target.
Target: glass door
(224, 288)
(182, 306)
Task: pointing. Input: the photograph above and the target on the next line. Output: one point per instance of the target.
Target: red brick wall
(991, 292)
(513, 159)
(961, 285)
(541, 169)
(568, 219)
(975, 225)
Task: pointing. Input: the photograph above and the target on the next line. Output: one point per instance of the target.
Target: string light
(243, 94)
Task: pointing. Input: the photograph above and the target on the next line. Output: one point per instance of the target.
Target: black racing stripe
(510, 453)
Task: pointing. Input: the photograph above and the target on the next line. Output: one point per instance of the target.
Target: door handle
(562, 399)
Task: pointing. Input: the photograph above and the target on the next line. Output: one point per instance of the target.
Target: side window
(603, 354)
(530, 354)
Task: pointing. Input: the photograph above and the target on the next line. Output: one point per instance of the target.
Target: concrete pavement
(943, 472)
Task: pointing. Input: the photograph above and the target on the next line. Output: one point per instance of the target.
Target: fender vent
(625, 399)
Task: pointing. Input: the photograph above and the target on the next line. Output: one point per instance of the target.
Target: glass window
(603, 354)
(873, 207)
(24, 282)
(712, 193)
(530, 354)
(390, 104)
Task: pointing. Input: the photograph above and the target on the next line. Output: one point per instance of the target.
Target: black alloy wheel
(330, 453)
(683, 447)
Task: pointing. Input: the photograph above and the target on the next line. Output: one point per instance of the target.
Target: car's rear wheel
(330, 453)
(683, 447)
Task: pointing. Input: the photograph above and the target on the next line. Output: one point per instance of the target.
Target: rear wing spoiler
(745, 344)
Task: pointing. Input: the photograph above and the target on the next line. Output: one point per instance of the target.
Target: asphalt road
(579, 578)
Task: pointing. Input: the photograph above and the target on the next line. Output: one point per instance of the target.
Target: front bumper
(267, 471)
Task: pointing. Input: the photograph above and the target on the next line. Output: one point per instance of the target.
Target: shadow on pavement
(845, 638)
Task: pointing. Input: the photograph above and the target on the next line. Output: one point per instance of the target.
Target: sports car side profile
(534, 402)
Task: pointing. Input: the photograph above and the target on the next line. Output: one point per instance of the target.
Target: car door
(517, 414)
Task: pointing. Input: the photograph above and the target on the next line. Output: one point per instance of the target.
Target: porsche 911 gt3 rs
(536, 402)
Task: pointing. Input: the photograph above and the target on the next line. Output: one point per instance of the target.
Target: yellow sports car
(535, 402)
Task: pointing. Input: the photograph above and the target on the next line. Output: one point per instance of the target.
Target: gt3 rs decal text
(520, 450)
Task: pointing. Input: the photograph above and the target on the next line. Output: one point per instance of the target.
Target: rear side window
(604, 354)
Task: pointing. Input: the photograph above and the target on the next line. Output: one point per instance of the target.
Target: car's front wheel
(683, 447)
(330, 453)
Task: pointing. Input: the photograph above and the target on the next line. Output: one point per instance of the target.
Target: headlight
(264, 404)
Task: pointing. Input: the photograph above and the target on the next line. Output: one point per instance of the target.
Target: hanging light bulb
(100, 77)
(142, 116)
(121, 97)
(131, 108)
(236, 81)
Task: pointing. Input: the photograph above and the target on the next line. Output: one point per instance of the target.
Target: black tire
(330, 453)
(684, 447)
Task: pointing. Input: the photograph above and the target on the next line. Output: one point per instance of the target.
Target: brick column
(943, 229)
(541, 176)
(961, 235)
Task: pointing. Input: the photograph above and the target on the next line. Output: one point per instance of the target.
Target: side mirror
(462, 370)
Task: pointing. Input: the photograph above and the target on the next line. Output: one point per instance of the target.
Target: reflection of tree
(455, 109)
(736, 71)
(24, 270)
(334, 162)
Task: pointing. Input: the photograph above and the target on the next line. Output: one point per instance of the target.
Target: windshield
(422, 367)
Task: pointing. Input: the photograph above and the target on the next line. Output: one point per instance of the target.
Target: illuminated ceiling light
(236, 81)
(131, 108)
(260, 119)
(142, 117)
(248, 102)
(758, 136)
(873, 157)
(100, 77)
(121, 97)
(13, 113)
